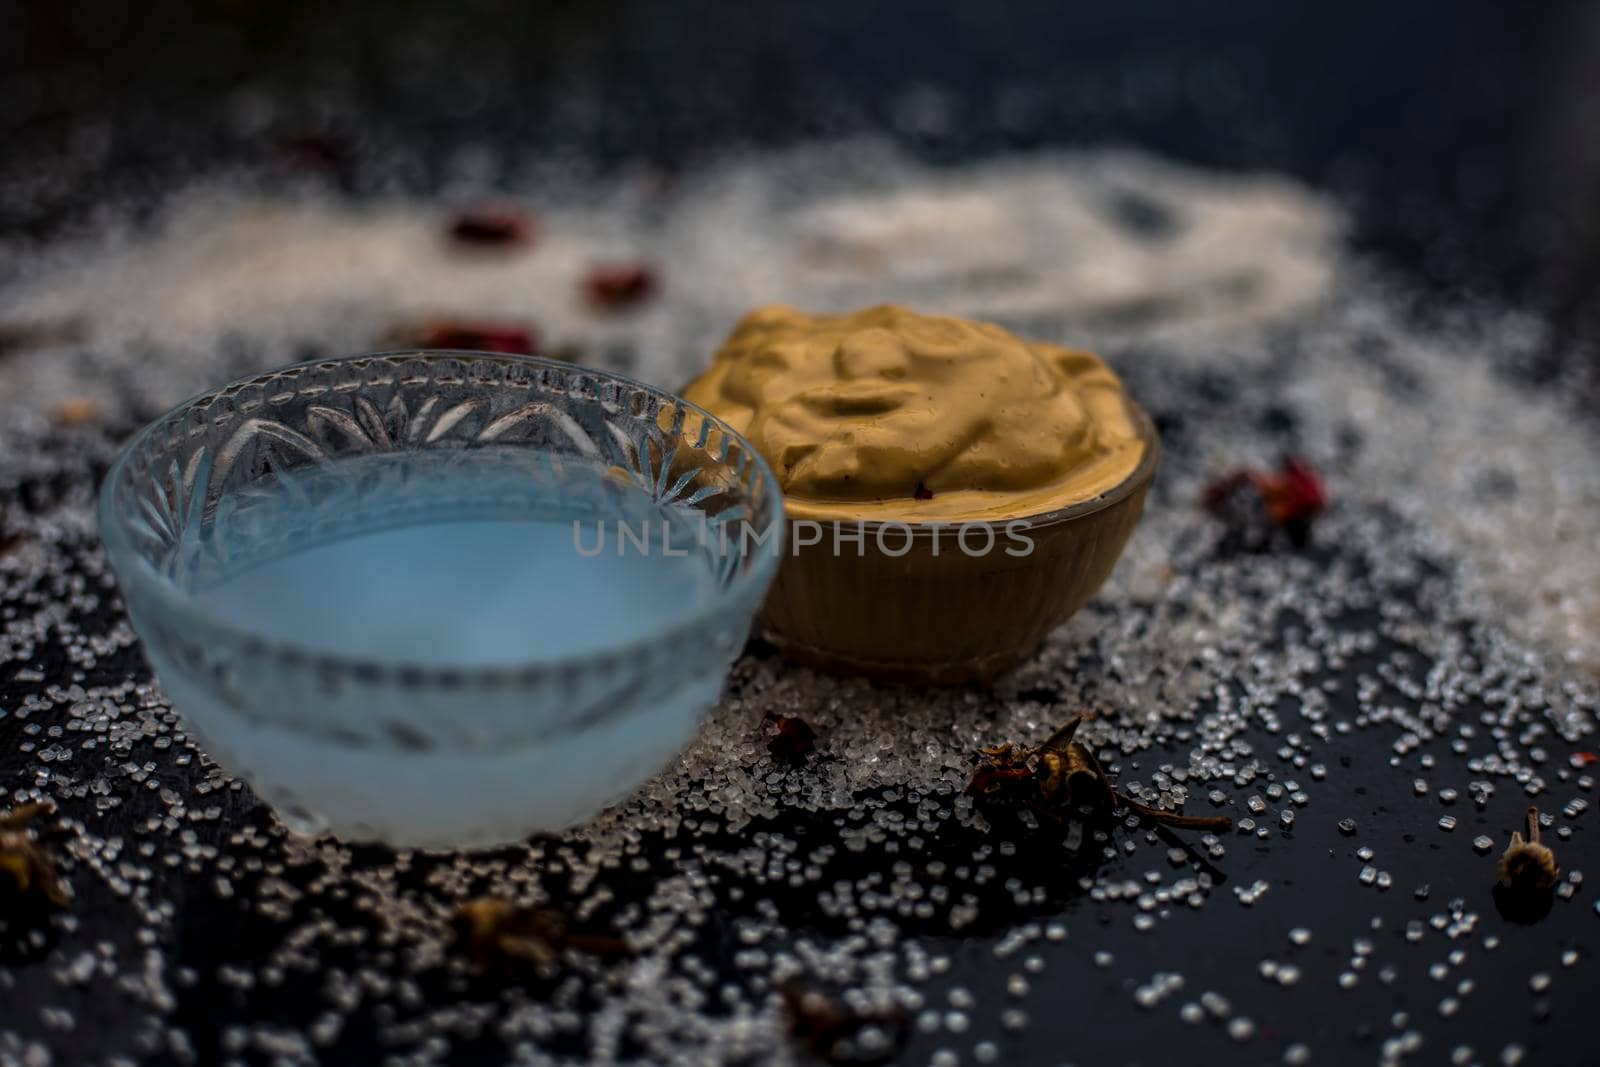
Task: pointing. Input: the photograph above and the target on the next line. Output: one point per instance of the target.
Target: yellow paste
(888, 414)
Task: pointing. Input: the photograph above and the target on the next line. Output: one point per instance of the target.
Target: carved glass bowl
(469, 692)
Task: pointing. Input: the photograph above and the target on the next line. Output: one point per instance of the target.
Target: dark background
(1460, 133)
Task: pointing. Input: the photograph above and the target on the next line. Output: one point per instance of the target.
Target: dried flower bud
(1528, 866)
(1062, 775)
(486, 927)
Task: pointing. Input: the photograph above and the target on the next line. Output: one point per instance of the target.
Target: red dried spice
(1295, 494)
(473, 335)
(1291, 497)
(614, 286)
(790, 739)
(493, 227)
(1584, 759)
(922, 492)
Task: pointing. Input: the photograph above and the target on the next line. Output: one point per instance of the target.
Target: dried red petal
(500, 227)
(922, 492)
(469, 335)
(1295, 494)
(620, 285)
(1291, 497)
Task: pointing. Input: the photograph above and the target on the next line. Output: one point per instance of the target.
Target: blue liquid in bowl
(472, 564)
(382, 593)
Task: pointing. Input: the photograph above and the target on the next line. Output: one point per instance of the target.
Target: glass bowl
(353, 579)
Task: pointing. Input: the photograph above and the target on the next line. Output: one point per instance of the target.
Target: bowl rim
(1141, 475)
(131, 567)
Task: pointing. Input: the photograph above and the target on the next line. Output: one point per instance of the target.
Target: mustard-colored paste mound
(888, 414)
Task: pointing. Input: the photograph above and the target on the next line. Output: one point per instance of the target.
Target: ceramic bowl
(949, 604)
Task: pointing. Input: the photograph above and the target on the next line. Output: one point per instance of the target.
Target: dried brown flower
(1062, 774)
(495, 932)
(1528, 865)
(28, 880)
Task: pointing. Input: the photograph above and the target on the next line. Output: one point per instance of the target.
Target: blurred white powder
(1093, 237)
(1145, 259)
